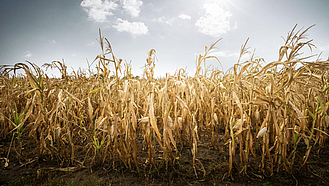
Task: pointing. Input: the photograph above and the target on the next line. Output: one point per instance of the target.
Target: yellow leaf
(95, 90)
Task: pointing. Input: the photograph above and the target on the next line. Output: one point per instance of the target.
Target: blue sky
(47, 30)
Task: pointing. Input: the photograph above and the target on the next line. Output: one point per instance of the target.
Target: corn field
(261, 116)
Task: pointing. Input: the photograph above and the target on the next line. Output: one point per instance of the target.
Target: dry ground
(41, 171)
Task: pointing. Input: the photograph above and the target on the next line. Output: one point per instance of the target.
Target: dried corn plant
(265, 117)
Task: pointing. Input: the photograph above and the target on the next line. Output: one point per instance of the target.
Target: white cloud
(132, 7)
(164, 20)
(215, 21)
(98, 9)
(135, 28)
(27, 54)
(184, 16)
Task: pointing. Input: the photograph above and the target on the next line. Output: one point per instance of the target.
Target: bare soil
(49, 171)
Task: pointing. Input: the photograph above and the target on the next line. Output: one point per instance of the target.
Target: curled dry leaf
(144, 119)
(239, 122)
(261, 132)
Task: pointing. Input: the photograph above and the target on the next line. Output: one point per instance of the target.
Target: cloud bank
(215, 21)
(98, 10)
(132, 7)
(135, 28)
(164, 20)
(184, 16)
